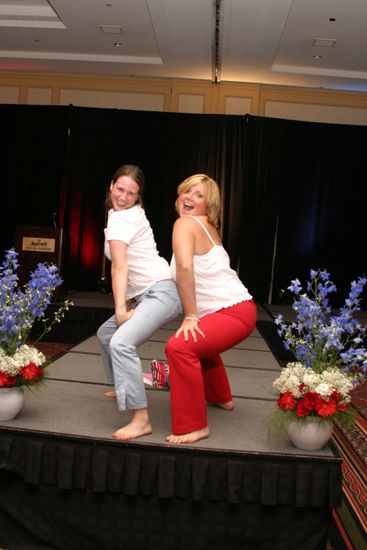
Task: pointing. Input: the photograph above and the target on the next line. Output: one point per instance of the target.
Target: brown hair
(133, 172)
(212, 195)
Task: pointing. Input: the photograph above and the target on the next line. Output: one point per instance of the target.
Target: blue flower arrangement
(21, 364)
(321, 338)
(330, 356)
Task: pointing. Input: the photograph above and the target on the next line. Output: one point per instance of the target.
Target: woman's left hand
(121, 318)
(190, 326)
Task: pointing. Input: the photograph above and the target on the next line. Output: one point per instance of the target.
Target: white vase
(310, 434)
(11, 402)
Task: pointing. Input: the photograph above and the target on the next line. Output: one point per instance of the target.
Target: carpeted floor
(53, 350)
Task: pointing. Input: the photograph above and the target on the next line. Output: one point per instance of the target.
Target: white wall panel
(9, 94)
(39, 96)
(237, 105)
(316, 113)
(191, 103)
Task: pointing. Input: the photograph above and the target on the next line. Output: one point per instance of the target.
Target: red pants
(197, 373)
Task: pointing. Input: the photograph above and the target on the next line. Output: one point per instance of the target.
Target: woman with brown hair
(138, 273)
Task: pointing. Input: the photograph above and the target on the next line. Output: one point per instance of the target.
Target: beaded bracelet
(188, 318)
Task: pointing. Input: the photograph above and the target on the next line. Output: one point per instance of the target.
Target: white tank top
(216, 284)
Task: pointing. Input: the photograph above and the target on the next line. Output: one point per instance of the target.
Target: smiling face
(198, 195)
(192, 201)
(124, 193)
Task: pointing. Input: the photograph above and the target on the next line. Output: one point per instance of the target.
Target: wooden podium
(35, 245)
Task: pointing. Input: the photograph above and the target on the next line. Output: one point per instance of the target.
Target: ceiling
(312, 43)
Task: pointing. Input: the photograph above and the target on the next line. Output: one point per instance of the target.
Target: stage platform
(65, 483)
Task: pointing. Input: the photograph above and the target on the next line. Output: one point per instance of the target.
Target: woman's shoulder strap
(205, 229)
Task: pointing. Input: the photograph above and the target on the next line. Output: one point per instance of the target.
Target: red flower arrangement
(304, 392)
(20, 364)
(310, 402)
(24, 368)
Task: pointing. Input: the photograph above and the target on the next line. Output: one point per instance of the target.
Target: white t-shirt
(146, 266)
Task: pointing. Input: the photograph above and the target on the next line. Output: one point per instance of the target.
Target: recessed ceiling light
(110, 29)
(325, 42)
(317, 56)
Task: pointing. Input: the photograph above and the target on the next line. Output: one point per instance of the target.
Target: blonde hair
(212, 195)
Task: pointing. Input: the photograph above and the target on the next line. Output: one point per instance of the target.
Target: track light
(216, 59)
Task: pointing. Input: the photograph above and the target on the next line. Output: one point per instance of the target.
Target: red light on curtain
(84, 236)
(74, 228)
(90, 253)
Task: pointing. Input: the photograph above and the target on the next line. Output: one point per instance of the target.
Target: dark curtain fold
(93, 134)
(265, 158)
(293, 193)
(66, 493)
(33, 142)
(234, 187)
(168, 147)
(321, 214)
(305, 203)
(169, 473)
(45, 517)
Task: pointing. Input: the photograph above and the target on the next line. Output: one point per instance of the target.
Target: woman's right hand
(190, 326)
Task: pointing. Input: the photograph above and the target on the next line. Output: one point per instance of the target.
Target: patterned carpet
(53, 350)
(351, 518)
(360, 399)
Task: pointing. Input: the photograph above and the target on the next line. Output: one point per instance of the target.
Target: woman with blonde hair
(219, 311)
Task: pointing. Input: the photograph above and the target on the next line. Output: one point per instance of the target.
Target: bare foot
(132, 431)
(111, 393)
(190, 437)
(228, 406)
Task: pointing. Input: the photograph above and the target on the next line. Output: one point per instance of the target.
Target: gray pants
(155, 307)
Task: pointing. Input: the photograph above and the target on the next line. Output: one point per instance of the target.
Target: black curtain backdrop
(33, 142)
(168, 147)
(297, 185)
(264, 171)
(306, 193)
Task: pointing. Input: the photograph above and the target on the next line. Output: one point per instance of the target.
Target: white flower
(338, 381)
(23, 356)
(324, 384)
(324, 390)
(311, 379)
